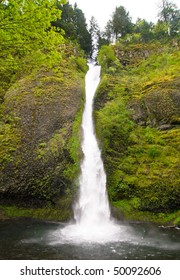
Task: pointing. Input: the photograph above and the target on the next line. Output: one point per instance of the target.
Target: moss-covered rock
(137, 116)
(40, 137)
(133, 54)
(160, 107)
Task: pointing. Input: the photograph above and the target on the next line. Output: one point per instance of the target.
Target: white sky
(103, 9)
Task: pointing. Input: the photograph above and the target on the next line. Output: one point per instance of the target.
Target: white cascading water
(91, 212)
(92, 207)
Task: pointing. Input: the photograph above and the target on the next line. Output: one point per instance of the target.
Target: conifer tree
(170, 14)
(73, 22)
(121, 22)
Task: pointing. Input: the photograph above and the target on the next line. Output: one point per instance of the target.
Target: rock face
(159, 108)
(39, 115)
(137, 117)
(133, 55)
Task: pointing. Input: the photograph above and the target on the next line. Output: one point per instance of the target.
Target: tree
(144, 28)
(82, 33)
(27, 23)
(73, 22)
(66, 21)
(95, 34)
(160, 30)
(170, 14)
(121, 22)
(109, 31)
(25, 31)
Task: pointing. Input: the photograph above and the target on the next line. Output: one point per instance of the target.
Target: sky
(103, 9)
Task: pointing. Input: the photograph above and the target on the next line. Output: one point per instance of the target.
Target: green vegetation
(108, 60)
(60, 212)
(42, 94)
(27, 40)
(137, 122)
(131, 212)
(9, 139)
(73, 22)
(44, 45)
(121, 27)
(49, 155)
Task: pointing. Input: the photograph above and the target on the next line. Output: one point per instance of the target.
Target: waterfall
(93, 221)
(92, 207)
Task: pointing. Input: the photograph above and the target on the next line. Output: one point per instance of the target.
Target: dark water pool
(38, 240)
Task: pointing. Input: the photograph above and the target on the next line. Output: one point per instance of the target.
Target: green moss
(46, 213)
(40, 150)
(9, 140)
(130, 210)
(53, 147)
(73, 146)
(142, 163)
